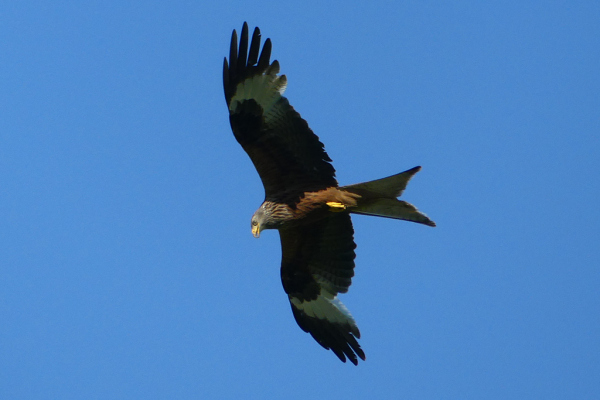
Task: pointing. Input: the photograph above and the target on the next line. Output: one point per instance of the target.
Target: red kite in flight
(302, 198)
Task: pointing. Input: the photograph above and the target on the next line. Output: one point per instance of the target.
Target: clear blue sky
(127, 266)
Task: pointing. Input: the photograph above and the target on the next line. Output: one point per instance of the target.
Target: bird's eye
(254, 223)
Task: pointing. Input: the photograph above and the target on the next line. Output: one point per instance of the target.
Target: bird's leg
(335, 206)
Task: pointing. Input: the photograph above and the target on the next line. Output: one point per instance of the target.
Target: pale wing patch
(266, 89)
(326, 307)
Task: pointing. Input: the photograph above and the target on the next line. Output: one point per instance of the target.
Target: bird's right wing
(284, 150)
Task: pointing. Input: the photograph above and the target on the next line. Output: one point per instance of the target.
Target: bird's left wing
(317, 264)
(284, 150)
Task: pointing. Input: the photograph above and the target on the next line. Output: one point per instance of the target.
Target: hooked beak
(256, 231)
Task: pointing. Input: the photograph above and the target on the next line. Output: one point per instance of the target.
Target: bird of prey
(302, 198)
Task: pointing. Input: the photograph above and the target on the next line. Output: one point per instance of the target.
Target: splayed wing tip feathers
(331, 325)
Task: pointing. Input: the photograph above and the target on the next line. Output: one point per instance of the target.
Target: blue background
(127, 267)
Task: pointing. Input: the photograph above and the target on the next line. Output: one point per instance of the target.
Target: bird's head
(258, 221)
(268, 216)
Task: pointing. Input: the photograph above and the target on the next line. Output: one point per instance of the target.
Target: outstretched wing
(317, 264)
(286, 153)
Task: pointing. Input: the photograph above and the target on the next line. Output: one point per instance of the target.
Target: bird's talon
(335, 206)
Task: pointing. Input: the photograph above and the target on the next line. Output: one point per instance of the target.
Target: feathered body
(302, 198)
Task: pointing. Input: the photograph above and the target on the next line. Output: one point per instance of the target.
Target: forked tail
(379, 198)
